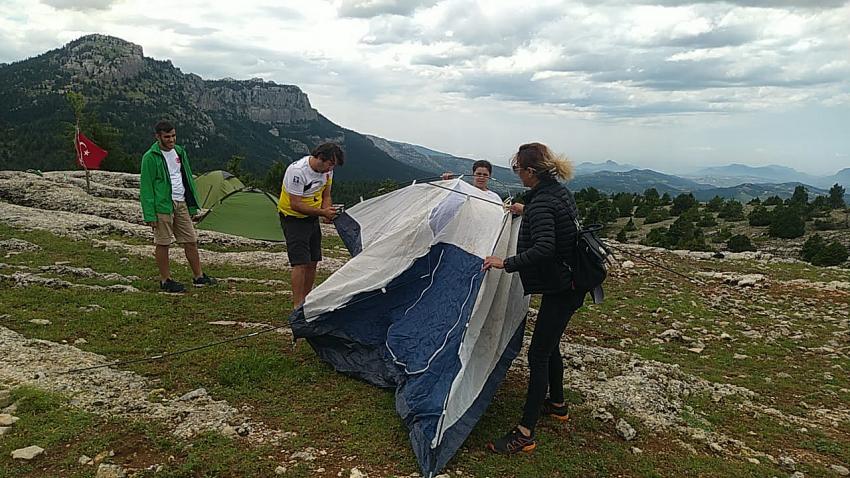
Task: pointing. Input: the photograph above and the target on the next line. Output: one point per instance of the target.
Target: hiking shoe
(172, 286)
(561, 413)
(513, 442)
(204, 281)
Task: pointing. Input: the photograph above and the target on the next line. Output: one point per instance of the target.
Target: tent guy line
(178, 352)
(690, 279)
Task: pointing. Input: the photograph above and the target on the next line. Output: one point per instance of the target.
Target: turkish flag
(89, 155)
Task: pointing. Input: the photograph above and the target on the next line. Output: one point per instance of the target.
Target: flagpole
(80, 156)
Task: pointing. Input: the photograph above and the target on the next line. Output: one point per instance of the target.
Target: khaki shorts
(178, 225)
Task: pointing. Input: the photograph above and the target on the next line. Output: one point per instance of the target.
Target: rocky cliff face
(263, 102)
(102, 58)
(115, 64)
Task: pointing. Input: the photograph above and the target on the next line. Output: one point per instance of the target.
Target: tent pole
(79, 156)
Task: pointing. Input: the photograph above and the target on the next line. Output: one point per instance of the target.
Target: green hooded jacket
(155, 183)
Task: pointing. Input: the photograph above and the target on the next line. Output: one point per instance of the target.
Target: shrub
(773, 201)
(682, 203)
(786, 223)
(811, 247)
(739, 243)
(682, 234)
(759, 216)
(589, 195)
(651, 197)
(833, 254)
(624, 202)
(826, 225)
(732, 210)
(601, 212)
(643, 210)
(722, 235)
(707, 220)
(816, 251)
(621, 236)
(821, 203)
(657, 237)
(715, 204)
(657, 215)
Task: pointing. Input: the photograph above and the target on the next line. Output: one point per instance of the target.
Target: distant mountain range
(736, 181)
(609, 166)
(745, 192)
(634, 181)
(734, 174)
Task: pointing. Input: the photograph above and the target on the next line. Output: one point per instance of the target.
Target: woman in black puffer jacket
(545, 253)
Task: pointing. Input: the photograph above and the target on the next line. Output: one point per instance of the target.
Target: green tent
(247, 212)
(213, 186)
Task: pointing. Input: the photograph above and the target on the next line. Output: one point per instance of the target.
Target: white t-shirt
(492, 196)
(178, 192)
(301, 180)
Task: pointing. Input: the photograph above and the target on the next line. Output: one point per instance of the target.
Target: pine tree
(682, 203)
(836, 196)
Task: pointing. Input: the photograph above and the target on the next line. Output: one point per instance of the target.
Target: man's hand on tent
(517, 208)
(328, 214)
(493, 261)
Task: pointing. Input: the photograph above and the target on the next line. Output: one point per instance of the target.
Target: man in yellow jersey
(304, 197)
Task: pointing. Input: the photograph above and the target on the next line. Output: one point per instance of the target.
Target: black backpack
(590, 265)
(591, 261)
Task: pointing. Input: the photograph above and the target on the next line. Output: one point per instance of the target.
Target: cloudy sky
(668, 84)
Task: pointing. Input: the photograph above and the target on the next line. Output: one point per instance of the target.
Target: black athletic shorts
(303, 239)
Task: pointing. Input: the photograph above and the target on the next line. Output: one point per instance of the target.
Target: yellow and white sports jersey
(301, 180)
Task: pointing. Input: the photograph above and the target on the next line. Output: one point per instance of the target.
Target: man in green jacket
(167, 193)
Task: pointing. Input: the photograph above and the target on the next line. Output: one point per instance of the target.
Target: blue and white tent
(413, 310)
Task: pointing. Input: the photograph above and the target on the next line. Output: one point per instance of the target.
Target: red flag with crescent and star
(89, 155)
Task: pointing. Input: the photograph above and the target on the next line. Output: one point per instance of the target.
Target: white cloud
(376, 8)
(81, 5)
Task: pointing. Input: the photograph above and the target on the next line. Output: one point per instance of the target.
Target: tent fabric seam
(445, 339)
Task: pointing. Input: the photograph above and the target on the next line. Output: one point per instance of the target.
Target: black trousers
(546, 368)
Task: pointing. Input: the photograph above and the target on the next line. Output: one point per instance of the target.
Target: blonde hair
(543, 161)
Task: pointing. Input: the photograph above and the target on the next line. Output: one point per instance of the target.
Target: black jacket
(547, 238)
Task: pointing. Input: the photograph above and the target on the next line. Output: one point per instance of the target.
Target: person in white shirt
(482, 170)
(304, 198)
(169, 200)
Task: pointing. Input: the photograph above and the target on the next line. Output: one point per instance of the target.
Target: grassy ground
(289, 389)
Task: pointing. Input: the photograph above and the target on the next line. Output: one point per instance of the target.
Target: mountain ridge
(262, 121)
